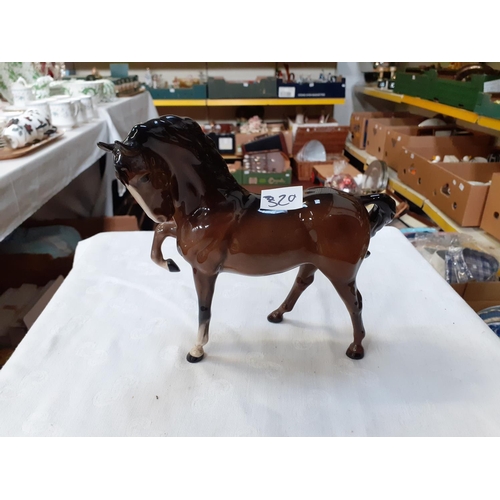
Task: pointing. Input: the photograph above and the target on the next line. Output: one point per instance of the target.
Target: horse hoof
(172, 266)
(355, 351)
(192, 359)
(275, 317)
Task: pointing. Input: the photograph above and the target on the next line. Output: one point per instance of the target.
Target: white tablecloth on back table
(107, 356)
(27, 182)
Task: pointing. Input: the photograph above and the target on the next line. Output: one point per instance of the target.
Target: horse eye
(144, 178)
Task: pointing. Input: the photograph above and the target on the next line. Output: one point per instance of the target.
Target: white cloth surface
(125, 112)
(107, 357)
(27, 182)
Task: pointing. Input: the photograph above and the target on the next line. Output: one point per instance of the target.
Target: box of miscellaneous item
(340, 165)
(412, 136)
(40, 251)
(311, 90)
(416, 167)
(460, 189)
(359, 123)
(267, 168)
(261, 87)
(194, 92)
(332, 141)
(377, 129)
(491, 214)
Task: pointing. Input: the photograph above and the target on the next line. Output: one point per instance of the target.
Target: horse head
(145, 176)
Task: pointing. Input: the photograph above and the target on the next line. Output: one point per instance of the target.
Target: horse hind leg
(304, 278)
(352, 299)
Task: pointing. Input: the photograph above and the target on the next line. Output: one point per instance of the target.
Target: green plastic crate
(455, 93)
(195, 92)
(486, 107)
(218, 88)
(413, 84)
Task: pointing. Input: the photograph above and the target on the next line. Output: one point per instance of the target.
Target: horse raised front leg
(304, 278)
(163, 230)
(205, 285)
(354, 303)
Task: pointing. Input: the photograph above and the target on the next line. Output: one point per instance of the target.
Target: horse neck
(195, 184)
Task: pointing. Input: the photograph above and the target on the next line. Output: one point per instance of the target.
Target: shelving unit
(248, 102)
(436, 107)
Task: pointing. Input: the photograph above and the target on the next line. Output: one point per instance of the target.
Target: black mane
(186, 133)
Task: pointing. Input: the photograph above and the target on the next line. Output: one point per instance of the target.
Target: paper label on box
(286, 92)
(225, 143)
(461, 187)
(287, 198)
(412, 156)
(493, 86)
(454, 182)
(399, 138)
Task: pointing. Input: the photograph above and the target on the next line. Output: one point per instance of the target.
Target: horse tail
(383, 210)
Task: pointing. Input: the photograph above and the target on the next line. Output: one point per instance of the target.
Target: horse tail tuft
(382, 213)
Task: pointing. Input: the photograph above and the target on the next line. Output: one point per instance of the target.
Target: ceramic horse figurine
(176, 174)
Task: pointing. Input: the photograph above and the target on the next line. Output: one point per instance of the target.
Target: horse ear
(127, 150)
(106, 147)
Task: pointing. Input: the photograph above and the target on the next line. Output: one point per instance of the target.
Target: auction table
(28, 182)
(107, 357)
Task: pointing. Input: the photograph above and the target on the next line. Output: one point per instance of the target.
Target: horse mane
(186, 133)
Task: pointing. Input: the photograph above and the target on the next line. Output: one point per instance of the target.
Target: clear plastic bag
(456, 256)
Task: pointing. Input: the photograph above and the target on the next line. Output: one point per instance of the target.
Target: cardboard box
(460, 189)
(323, 171)
(407, 136)
(491, 214)
(479, 295)
(377, 129)
(415, 169)
(39, 269)
(242, 139)
(359, 122)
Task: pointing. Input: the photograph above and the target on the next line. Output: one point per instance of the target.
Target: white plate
(314, 151)
(432, 122)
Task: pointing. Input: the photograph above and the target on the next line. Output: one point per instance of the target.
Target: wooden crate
(333, 139)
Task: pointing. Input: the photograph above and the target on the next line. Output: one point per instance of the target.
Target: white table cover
(107, 356)
(28, 182)
(122, 114)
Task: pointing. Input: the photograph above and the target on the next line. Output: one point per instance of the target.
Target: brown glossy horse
(181, 181)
